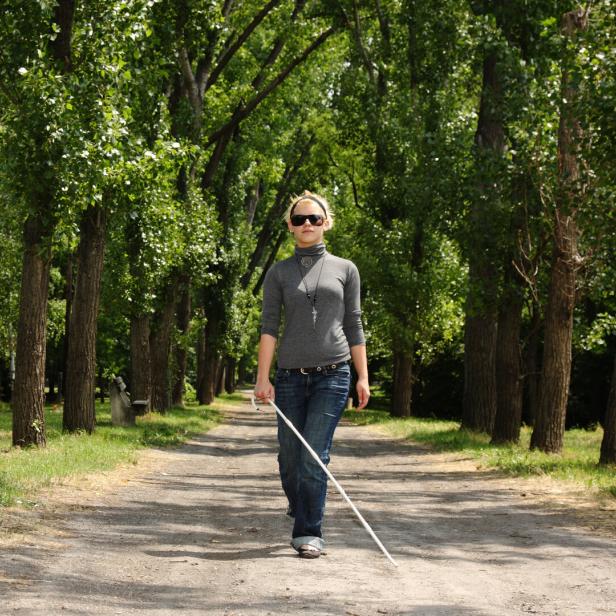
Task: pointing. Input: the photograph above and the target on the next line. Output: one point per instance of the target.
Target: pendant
(314, 317)
(306, 261)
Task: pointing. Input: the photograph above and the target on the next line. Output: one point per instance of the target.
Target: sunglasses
(297, 220)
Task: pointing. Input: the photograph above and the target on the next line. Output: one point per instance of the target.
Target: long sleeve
(272, 304)
(351, 325)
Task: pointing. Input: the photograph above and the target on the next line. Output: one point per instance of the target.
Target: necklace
(312, 300)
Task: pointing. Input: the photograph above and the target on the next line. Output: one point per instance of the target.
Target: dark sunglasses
(297, 220)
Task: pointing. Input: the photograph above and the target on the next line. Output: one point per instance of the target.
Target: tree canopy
(149, 148)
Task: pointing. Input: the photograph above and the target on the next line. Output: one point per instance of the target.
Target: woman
(322, 332)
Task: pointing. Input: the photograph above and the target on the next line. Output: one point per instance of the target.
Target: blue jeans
(313, 403)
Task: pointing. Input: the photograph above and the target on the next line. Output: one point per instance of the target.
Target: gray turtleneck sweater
(338, 327)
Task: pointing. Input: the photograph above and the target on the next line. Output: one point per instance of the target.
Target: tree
(36, 64)
(479, 405)
(210, 64)
(410, 93)
(556, 366)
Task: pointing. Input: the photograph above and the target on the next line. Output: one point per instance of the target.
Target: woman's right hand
(264, 391)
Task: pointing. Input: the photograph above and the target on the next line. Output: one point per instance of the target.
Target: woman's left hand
(363, 393)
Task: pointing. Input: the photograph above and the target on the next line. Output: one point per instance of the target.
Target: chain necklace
(312, 300)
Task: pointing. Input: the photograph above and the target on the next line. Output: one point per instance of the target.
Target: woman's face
(308, 234)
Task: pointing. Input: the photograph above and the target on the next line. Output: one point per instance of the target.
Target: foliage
(10, 261)
(381, 119)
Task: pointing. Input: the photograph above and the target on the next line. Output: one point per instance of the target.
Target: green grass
(576, 463)
(23, 472)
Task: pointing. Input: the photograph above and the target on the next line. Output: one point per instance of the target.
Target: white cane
(333, 479)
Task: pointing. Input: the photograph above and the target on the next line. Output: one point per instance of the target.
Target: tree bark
(220, 376)
(60, 45)
(29, 390)
(479, 398)
(181, 353)
(160, 348)
(230, 371)
(140, 359)
(211, 359)
(79, 396)
(508, 368)
(608, 443)
(140, 354)
(201, 367)
(532, 368)
(556, 366)
(479, 401)
(403, 384)
(549, 427)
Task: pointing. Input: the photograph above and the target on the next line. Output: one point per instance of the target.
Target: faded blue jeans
(314, 403)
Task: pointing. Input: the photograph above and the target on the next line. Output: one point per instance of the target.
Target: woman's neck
(318, 248)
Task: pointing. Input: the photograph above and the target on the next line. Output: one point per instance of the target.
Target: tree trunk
(210, 376)
(532, 369)
(508, 373)
(479, 401)
(160, 349)
(242, 373)
(211, 360)
(79, 395)
(140, 332)
(201, 367)
(549, 427)
(608, 444)
(29, 390)
(479, 398)
(403, 384)
(28, 397)
(181, 353)
(556, 366)
(220, 376)
(140, 359)
(230, 371)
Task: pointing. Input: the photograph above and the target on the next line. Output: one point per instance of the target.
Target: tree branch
(205, 64)
(356, 28)
(190, 81)
(351, 178)
(277, 47)
(243, 112)
(270, 260)
(226, 56)
(275, 211)
(61, 45)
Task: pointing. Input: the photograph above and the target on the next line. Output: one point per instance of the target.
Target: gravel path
(202, 530)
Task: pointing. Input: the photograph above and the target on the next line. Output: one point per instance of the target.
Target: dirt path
(202, 530)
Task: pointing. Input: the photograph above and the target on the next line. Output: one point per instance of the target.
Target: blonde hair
(312, 198)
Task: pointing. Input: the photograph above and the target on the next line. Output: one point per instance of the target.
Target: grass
(23, 472)
(577, 463)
